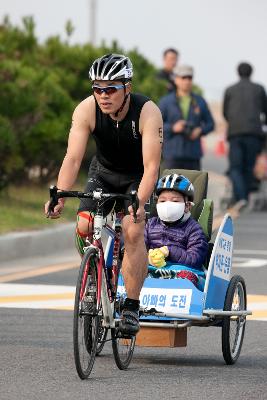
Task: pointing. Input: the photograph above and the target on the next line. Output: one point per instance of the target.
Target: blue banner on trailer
(220, 265)
(168, 296)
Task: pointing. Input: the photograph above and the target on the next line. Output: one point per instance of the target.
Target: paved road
(36, 343)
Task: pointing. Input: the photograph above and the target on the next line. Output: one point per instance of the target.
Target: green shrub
(40, 86)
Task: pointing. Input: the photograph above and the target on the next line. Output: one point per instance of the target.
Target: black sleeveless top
(119, 144)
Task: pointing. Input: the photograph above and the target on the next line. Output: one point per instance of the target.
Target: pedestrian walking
(245, 109)
(170, 59)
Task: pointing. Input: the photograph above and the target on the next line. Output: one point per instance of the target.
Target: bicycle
(97, 308)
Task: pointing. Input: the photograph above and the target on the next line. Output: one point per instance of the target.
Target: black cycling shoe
(129, 324)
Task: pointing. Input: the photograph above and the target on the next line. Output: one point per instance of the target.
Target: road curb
(36, 243)
(61, 236)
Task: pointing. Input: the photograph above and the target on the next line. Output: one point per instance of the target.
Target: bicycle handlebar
(56, 194)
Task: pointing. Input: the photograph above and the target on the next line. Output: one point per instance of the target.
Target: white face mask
(170, 211)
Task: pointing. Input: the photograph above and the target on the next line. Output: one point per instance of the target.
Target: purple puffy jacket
(186, 241)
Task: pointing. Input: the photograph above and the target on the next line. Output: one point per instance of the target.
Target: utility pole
(92, 24)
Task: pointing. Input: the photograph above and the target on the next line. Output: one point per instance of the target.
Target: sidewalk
(58, 241)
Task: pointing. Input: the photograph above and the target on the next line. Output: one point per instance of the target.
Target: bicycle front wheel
(86, 318)
(123, 347)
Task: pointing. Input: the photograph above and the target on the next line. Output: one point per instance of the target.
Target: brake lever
(135, 203)
(53, 200)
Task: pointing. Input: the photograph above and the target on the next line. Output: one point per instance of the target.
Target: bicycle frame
(107, 274)
(96, 288)
(105, 294)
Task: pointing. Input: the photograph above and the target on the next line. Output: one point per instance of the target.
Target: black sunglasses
(187, 77)
(107, 89)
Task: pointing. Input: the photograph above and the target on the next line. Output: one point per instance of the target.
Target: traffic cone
(220, 148)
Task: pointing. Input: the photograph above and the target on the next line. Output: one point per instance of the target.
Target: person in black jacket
(244, 108)
(170, 59)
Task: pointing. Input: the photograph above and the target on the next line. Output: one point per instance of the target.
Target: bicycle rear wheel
(123, 347)
(86, 319)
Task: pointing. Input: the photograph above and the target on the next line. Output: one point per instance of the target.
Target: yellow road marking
(257, 314)
(256, 298)
(62, 298)
(36, 297)
(37, 272)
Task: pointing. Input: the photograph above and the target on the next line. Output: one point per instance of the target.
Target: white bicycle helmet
(111, 67)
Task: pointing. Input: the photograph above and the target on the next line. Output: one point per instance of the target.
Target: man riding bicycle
(127, 129)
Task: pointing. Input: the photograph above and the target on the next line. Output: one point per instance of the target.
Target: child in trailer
(177, 246)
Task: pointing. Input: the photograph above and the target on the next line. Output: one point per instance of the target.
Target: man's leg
(191, 164)
(84, 229)
(236, 166)
(171, 164)
(134, 270)
(135, 261)
(85, 218)
(183, 164)
(252, 146)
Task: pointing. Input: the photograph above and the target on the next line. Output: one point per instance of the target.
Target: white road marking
(14, 295)
(62, 298)
(13, 289)
(63, 304)
(246, 251)
(258, 306)
(245, 262)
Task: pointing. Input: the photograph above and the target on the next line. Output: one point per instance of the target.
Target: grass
(22, 208)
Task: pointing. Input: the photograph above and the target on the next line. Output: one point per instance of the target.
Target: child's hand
(156, 257)
(164, 250)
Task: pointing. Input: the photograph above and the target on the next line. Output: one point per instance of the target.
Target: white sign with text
(223, 257)
(164, 300)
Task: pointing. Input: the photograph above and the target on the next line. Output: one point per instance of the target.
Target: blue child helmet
(176, 182)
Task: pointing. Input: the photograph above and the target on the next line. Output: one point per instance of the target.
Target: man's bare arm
(83, 121)
(152, 139)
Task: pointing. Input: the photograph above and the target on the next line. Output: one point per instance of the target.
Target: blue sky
(211, 35)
